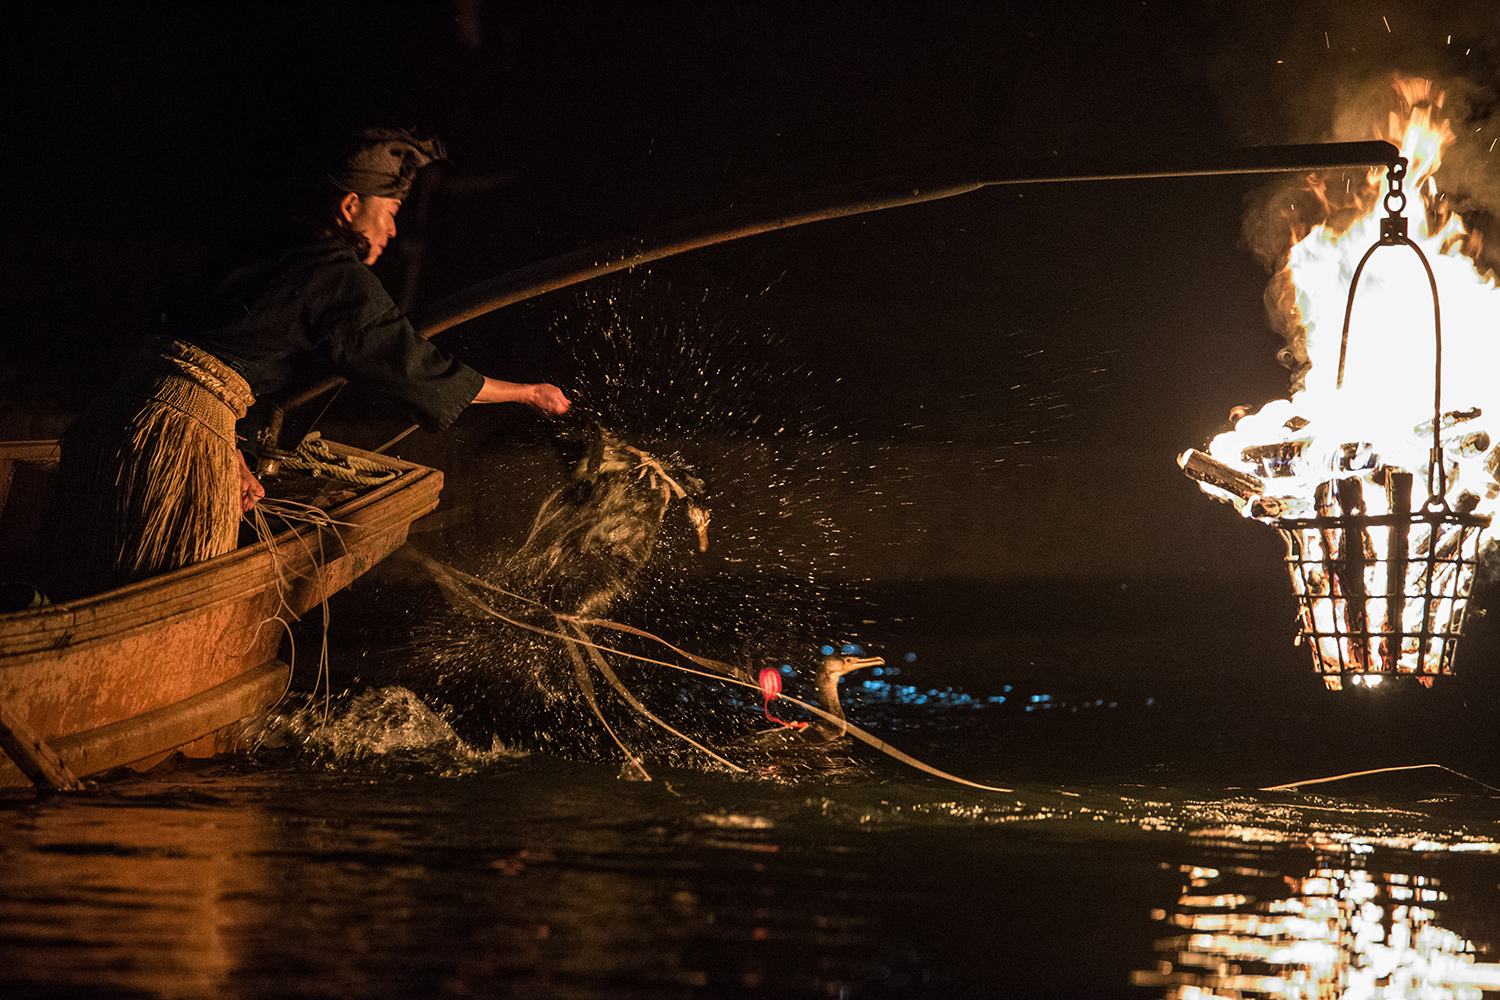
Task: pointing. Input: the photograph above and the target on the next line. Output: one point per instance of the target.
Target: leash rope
(730, 676)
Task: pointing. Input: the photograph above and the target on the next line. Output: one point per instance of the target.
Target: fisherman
(152, 476)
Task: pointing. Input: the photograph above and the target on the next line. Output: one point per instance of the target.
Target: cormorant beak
(840, 665)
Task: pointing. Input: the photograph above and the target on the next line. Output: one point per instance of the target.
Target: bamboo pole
(839, 202)
(836, 203)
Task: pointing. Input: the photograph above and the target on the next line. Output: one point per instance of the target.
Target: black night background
(1010, 372)
(981, 398)
(1065, 340)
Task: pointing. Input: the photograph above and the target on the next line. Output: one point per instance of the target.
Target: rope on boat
(315, 457)
(290, 513)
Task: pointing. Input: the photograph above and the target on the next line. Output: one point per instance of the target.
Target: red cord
(770, 686)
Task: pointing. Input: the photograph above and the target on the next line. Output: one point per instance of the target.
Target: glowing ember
(1381, 509)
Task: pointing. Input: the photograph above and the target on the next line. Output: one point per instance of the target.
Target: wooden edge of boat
(208, 719)
(296, 554)
(295, 570)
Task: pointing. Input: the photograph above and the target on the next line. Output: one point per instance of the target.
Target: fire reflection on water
(1342, 930)
(527, 876)
(132, 901)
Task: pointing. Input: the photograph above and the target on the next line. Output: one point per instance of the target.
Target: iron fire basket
(1384, 594)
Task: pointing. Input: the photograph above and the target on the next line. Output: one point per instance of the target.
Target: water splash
(389, 725)
(684, 395)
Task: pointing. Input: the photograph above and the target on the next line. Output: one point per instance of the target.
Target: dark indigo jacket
(286, 317)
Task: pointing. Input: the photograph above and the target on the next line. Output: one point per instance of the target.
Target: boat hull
(174, 663)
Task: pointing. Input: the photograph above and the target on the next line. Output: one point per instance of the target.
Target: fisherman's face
(374, 218)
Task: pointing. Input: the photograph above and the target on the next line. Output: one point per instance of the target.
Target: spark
(1326, 43)
(1387, 25)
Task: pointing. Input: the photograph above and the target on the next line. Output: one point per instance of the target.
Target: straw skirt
(149, 479)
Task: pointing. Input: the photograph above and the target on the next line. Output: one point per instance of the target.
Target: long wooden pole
(32, 754)
(835, 203)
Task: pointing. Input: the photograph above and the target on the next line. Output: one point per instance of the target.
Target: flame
(1368, 418)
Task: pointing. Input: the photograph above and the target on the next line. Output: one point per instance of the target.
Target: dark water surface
(1130, 856)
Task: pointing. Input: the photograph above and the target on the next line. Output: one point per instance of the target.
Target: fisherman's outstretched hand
(548, 399)
(540, 396)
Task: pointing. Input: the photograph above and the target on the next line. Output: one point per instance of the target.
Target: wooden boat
(179, 661)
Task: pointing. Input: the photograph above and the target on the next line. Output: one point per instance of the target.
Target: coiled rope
(314, 457)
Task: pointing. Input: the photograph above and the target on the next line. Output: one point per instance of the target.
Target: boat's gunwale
(202, 587)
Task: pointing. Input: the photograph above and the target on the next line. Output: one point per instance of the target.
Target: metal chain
(1393, 233)
(1393, 226)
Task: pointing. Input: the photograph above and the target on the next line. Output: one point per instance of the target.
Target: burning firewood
(1274, 460)
(1204, 469)
(1381, 499)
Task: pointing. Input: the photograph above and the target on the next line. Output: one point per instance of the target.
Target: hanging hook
(1393, 233)
(1393, 226)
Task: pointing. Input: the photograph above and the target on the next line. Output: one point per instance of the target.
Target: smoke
(1283, 69)
(1325, 72)
(1470, 175)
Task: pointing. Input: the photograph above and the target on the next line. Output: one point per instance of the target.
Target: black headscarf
(381, 162)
